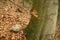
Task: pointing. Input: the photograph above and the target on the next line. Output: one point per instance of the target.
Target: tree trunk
(50, 17)
(44, 29)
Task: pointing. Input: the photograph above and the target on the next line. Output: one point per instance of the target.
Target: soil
(10, 15)
(14, 17)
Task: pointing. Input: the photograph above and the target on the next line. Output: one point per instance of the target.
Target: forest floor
(57, 34)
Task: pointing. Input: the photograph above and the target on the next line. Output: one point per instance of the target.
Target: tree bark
(51, 18)
(44, 27)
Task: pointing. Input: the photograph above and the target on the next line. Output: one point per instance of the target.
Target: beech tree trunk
(44, 27)
(51, 18)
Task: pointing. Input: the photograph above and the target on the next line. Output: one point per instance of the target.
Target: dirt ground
(12, 18)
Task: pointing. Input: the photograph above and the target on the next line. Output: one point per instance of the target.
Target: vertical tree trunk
(44, 29)
(50, 18)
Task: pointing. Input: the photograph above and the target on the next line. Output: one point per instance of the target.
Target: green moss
(33, 31)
